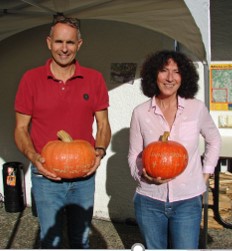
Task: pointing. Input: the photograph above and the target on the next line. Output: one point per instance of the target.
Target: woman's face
(169, 79)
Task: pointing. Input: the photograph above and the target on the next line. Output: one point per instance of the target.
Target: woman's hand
(157, 181)
(206, 177)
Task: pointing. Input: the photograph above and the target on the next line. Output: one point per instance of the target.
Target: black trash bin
(13, 183)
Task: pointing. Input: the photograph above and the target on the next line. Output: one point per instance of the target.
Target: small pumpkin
(165, 159)
(68, 158)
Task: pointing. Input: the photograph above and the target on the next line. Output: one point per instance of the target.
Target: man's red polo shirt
(54, 105)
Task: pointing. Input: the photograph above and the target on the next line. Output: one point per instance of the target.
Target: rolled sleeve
(213, 142)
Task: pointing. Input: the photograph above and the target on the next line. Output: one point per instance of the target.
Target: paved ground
(20, 231)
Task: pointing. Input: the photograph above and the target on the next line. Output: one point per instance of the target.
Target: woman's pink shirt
(192, 120)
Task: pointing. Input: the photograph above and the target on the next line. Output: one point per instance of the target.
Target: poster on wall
(221, 87)
(122, 73)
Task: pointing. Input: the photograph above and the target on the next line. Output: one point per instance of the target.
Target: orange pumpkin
(165, 159)
(68, 158)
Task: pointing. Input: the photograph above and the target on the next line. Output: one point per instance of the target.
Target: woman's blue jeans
(163, 224)
(75, 198)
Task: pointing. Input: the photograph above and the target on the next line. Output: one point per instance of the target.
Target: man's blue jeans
(164, 223)
(52, 199)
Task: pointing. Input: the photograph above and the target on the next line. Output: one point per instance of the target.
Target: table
(216, 193)
(216, 200)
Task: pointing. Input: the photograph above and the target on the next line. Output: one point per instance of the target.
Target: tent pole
(176, 45)
(206, 80)
(206, 195)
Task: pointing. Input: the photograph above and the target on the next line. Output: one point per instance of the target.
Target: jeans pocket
(35, 172)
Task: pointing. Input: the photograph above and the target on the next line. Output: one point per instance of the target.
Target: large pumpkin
(68, 158)
(165, 159)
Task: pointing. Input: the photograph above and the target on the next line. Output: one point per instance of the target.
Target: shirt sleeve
(135, 148)
(212, 138)
(102, 96)
(24, 98)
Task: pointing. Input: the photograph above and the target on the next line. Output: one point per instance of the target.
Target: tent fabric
(200, 11)
(221, 20)
(172, 18)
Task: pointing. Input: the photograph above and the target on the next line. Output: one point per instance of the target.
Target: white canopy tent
(188, 22)
(185, 21)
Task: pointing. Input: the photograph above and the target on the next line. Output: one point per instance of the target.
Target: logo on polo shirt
(86, 96)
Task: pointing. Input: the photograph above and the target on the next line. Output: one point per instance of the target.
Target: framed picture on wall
(122, 73)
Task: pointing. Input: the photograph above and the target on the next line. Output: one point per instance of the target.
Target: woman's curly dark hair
(156, 62)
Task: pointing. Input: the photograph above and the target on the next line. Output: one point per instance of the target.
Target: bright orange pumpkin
(68, 158)
(165, 159)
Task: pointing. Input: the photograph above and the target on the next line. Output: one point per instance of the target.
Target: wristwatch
(102, 149)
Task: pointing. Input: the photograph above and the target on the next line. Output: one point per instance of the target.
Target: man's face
(63, 43)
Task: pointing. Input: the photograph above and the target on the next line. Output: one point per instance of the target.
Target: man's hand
(38, 161)
(95, 167)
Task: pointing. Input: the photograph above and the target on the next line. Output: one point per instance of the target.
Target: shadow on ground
(21, 231)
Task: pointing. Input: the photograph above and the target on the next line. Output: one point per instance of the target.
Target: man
(62, 95)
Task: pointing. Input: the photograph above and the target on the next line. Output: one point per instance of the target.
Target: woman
(169, 212)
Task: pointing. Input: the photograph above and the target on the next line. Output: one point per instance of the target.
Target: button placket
(62, 85)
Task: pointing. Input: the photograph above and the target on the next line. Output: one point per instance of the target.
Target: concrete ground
(20, 231)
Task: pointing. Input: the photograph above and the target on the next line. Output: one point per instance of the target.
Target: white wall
(114, 199)
(104, 43)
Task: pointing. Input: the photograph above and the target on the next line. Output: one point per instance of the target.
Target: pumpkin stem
(64, 136)
(165, 136)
